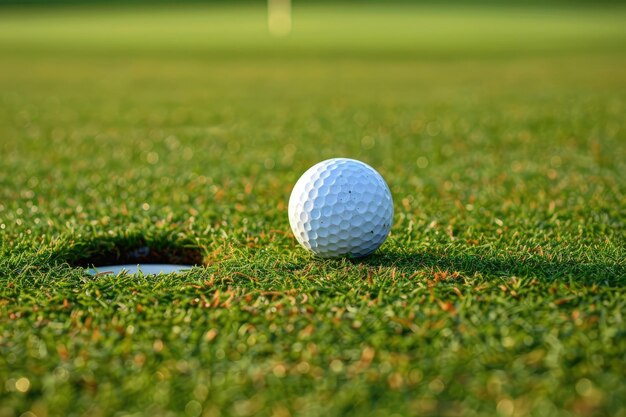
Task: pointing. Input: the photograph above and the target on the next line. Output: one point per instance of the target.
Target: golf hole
(135, 255)
(145, 269)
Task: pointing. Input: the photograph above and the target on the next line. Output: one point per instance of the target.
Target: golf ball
(341, 207)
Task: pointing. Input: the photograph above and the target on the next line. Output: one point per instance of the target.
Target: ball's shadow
(470, 265)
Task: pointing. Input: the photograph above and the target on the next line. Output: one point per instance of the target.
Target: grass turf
(500, 289)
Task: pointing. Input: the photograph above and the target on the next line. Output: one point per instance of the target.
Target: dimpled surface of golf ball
(341, 207)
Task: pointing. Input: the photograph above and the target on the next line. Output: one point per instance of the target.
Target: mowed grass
(500, 291)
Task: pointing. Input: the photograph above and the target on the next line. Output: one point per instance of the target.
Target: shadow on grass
(133, 249)
(471, 265)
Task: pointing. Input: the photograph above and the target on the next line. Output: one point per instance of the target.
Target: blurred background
(144, 102)
(314, 28)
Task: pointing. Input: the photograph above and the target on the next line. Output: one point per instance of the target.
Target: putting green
(143, 135)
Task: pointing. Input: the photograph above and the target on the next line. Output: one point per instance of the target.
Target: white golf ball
(341, 207)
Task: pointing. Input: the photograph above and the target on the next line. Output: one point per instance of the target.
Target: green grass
(500, 291)
(340, 31)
